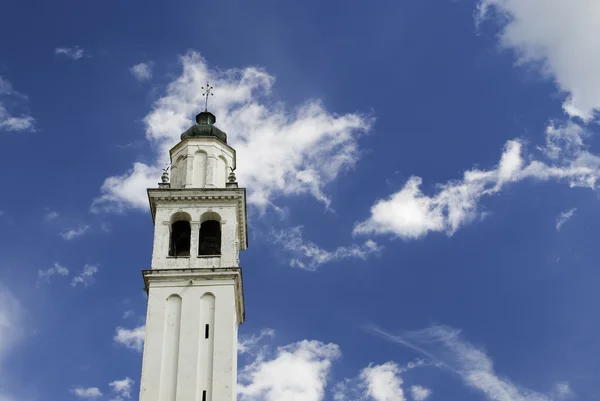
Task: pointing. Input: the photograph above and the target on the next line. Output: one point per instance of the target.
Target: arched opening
(181, 235)
(199, 169)
(210, 238)
(177, 173)
(221, 172)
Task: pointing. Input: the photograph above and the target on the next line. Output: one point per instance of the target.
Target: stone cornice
(183, 195)
(165, 277)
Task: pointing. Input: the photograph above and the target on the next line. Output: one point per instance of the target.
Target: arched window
(210, 234)
(181, 234)
(221, 172)
(178, 172)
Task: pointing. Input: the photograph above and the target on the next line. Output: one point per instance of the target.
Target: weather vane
(207, 92)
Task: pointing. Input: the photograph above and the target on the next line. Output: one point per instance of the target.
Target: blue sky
(422, 192)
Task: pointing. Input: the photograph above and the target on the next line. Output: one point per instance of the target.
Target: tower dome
(204, 127)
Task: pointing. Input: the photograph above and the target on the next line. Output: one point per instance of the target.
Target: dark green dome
(205, 127)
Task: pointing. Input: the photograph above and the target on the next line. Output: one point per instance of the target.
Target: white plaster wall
(190, 380)
(229, 235)
(201, 162)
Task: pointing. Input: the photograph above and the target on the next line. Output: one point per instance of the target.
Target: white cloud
(560, 38)
(12, 123)
(127, 190)
(89, 392)
(131, 338)
(279, 152)
(562, 391)
(56, 270)
(9, 122)
(307, 255)
(383, 382)
(122, 387)
(563, 217)
(298, 371)
(419, 393)
(376, 382)
(444, 345)
(142, 71)
(50, 215)
(74, 53)
(247, 344)
(74, 233)
(128, 313)
(85, 277)
(410, 214)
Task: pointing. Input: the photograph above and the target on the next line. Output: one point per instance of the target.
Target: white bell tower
(195, 294)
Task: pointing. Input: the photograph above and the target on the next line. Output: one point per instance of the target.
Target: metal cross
(207, 92)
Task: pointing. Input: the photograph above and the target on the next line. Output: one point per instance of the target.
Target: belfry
(194, 286)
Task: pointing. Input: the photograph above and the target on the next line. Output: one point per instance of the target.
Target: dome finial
(165, 177)
(207, 92)
(231, 181)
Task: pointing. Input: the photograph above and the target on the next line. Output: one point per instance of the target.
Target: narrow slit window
(206, 331)
(203, 395)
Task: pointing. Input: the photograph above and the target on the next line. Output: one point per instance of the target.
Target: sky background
(421, 180)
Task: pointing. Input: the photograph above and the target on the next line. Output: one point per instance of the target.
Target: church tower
(195, 294)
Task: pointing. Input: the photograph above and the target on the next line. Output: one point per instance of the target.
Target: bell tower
(194, 286)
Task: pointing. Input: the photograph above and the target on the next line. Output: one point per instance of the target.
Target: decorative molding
(199, 277)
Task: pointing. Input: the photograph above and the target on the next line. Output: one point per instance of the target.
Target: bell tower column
(194, 286)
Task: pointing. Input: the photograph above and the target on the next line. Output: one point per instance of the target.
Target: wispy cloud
(50, 215)
(85, 277)
(11, 313)
(8, 121)
(562, 391)
(411, 214)
(75, 233)
(86, 392)
(445, 346)
(563, 217)
(56, 270)
(74, 53)
(142, 71)
(307, 255)
(11, 332)
(247, 344)
(131, 338)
